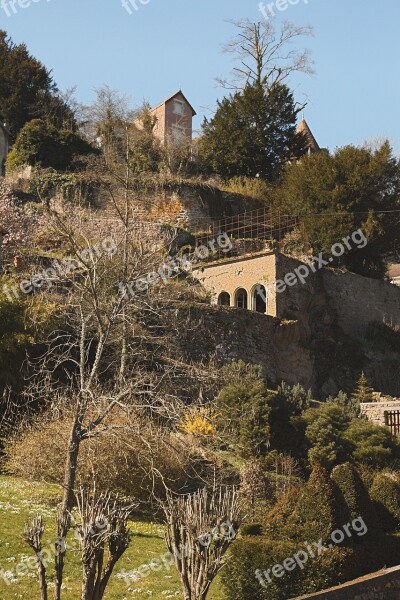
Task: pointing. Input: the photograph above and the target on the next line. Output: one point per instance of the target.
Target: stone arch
(259, 299)
(224, 299)
(241, 298)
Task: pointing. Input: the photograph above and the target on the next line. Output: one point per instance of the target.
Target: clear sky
(166, 44)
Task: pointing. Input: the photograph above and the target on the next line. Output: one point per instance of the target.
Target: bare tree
(264, 55)
(33, 535)
(91, 364)
(200, 529)
(104, 536)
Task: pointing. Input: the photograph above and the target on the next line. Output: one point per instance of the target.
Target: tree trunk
(42, 579)
(67, 503)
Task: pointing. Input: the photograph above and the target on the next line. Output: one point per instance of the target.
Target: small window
(224, 299)
(178, 133)
(179, 108)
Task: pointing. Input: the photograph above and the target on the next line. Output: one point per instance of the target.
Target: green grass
(21, 500)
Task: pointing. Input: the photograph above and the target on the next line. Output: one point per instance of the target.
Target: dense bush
(287, 434)
(305, 515)
(334, 436)
(352, 497)
(256, 553)
(372, 444)
(118, 459)
(315, 514)
(40, 144)
(385, 492)
(22, 323)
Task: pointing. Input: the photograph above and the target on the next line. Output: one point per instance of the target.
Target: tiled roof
(172, 97)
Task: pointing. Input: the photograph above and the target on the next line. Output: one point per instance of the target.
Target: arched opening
(241, 298)
(224, 299)
(260, 299)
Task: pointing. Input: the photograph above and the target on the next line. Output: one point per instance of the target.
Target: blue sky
(166, 44)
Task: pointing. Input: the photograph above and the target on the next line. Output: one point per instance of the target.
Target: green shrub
(257, 556)
(286, 405)
(372, 444)
(276, 520)
(315, 514)
(250, 555)
(385, 492)
(40, 144)
(352, 496)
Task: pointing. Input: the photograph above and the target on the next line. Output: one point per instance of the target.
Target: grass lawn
(22, 500)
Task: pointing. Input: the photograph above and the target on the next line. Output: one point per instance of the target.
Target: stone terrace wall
(359, 300)
(384, 585)
(236, 334)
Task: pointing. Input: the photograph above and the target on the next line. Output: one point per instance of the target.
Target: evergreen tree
(253, 133)
(27, 89)
(363, 392)
(337, 194)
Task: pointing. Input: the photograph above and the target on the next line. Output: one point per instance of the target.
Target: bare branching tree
(200, 529)
(33, 535)
(264, 55)
(104, 537)
(92, 361)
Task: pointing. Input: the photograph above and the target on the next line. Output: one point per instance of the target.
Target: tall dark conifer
(253, 133)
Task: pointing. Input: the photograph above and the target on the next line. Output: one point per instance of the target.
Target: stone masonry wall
(359, 300)
(375, 411)
(384, 585)
(238, 334)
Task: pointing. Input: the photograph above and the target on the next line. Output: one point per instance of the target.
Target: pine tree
(363, 392)
(253, 133)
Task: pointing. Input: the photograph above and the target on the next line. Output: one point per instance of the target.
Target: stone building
(4, 145)
(243, 282)
(174, 119)
(277, 285)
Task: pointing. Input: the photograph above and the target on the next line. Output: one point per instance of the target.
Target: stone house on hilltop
(174, 119)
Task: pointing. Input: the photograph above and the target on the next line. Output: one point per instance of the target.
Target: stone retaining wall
(384, 585)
